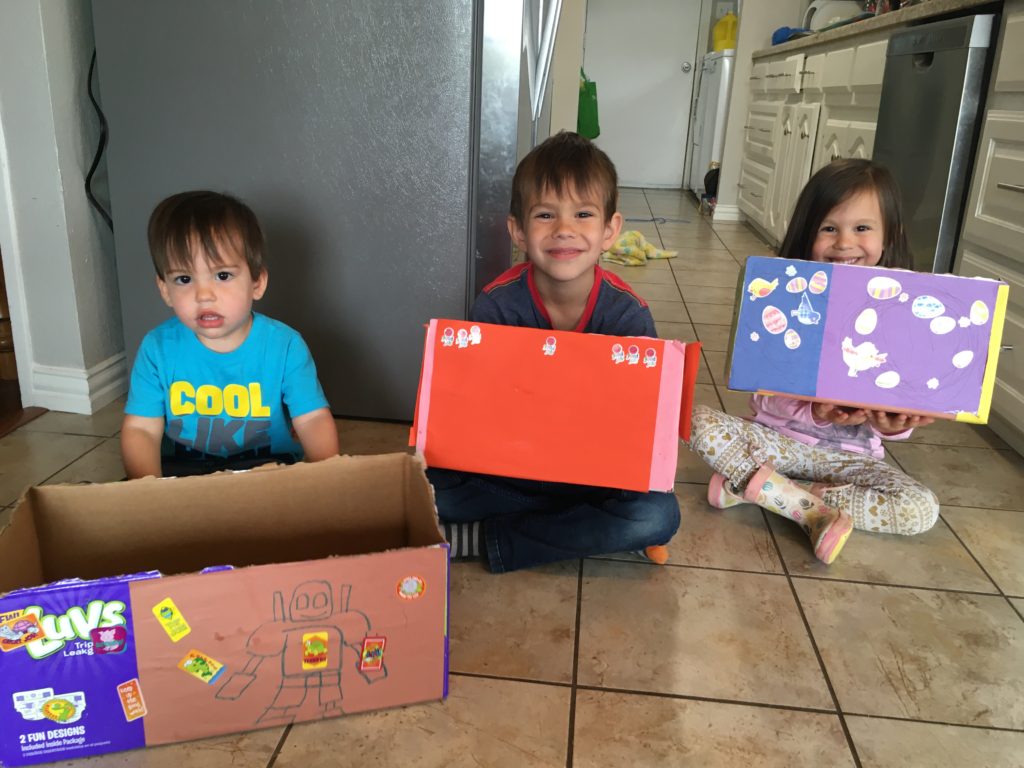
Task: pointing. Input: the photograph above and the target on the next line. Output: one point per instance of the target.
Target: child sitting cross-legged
(822, 465)
(563, 215)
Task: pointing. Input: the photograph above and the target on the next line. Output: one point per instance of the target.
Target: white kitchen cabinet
(806, 109)
(992, 240)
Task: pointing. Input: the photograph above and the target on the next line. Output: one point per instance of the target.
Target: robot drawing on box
(318, 641)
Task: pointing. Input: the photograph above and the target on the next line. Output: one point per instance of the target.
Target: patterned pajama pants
(879, 497)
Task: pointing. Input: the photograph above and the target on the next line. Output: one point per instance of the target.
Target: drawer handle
(754, 194)
(786, 132)
(804, 134)
(747, 127)
(805, 72)
(765, 130)
(755, 77)
(1006, 347)
(1010, 187)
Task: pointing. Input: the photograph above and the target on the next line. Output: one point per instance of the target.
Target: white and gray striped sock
(465, 539)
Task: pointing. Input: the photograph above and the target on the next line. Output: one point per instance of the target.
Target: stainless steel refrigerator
(375, 139)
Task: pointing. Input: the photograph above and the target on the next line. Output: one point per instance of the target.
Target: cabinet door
(758, 79)
(831, 140)
(782, 174)
(859, 139)
(995, 214)
(805, 130)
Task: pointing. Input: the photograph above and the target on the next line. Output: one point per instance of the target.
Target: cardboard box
(259, 598)
(554, 405)
(868, 337)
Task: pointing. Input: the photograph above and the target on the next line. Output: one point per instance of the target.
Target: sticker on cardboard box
(201, 666)
(44, 704)
(20, 630)
(171, 620)
(411, 587)
(314, 650)
(106, 640)
(134, 705)
(371, 659)
(10, 615)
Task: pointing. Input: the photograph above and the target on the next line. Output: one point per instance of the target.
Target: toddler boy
(563, 216)
(218, 386)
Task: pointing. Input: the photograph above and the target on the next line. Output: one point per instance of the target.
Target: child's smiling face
(213, 296)
(851, 233)
(565, 234)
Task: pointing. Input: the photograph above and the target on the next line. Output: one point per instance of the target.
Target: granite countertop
(902, 17)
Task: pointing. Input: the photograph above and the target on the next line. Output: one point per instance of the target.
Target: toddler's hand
(894, 423)
(836, 414)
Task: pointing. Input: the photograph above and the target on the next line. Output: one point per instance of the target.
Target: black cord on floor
(99, 150)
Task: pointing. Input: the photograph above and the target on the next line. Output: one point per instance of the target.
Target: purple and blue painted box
(868, 337)
(337, 604)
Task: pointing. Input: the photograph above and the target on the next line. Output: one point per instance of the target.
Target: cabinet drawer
(869, 67)
(837, 70)
(812, 72)
(753, 190)
(758, 78)
(1010, 65)
(784, 74)
(759, 138)
(995, 215)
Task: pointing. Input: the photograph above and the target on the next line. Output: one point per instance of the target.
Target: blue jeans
(528, 523)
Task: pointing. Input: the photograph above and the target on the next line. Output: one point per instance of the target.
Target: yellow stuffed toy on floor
(633, 250)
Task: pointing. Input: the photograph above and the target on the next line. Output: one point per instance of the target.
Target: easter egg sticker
(866, 322)
(773, 319)
(887, 380)
(818, 282)
(963, 359)
(942, 325)
(927, 307)
(979, 312)
(791, 339)
(796, 285)
(883, 288)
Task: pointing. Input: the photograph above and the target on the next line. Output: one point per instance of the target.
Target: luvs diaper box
(155, 611)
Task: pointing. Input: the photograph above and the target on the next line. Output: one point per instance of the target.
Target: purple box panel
(66, 648)
(906, 340)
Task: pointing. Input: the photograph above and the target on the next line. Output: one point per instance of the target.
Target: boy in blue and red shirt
(563, 216)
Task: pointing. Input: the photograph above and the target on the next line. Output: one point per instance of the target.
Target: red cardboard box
(554, 405)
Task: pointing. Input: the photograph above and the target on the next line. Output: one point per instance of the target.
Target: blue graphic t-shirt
(237, 403)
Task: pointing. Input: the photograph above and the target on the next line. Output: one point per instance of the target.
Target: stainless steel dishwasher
(933, 83)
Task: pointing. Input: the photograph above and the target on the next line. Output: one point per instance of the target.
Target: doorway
(642, 55)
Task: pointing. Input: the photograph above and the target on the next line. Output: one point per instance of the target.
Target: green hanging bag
(586, 118)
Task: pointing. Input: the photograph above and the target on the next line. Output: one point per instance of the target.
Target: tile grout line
(814, 646)
(731, 702)
(280, 745)
(982, 567)
(76, 459)
(571, 736)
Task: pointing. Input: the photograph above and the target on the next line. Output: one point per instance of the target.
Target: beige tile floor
(742, 651)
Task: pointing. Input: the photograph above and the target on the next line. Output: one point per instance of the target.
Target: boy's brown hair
(832, 185)
(207, 219)
(564, 162)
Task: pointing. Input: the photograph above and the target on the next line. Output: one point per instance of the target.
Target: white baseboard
(74, 390)
(728, 213)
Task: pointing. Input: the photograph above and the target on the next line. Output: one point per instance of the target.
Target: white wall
(566, 64)
(57, 253)
(757, 21)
